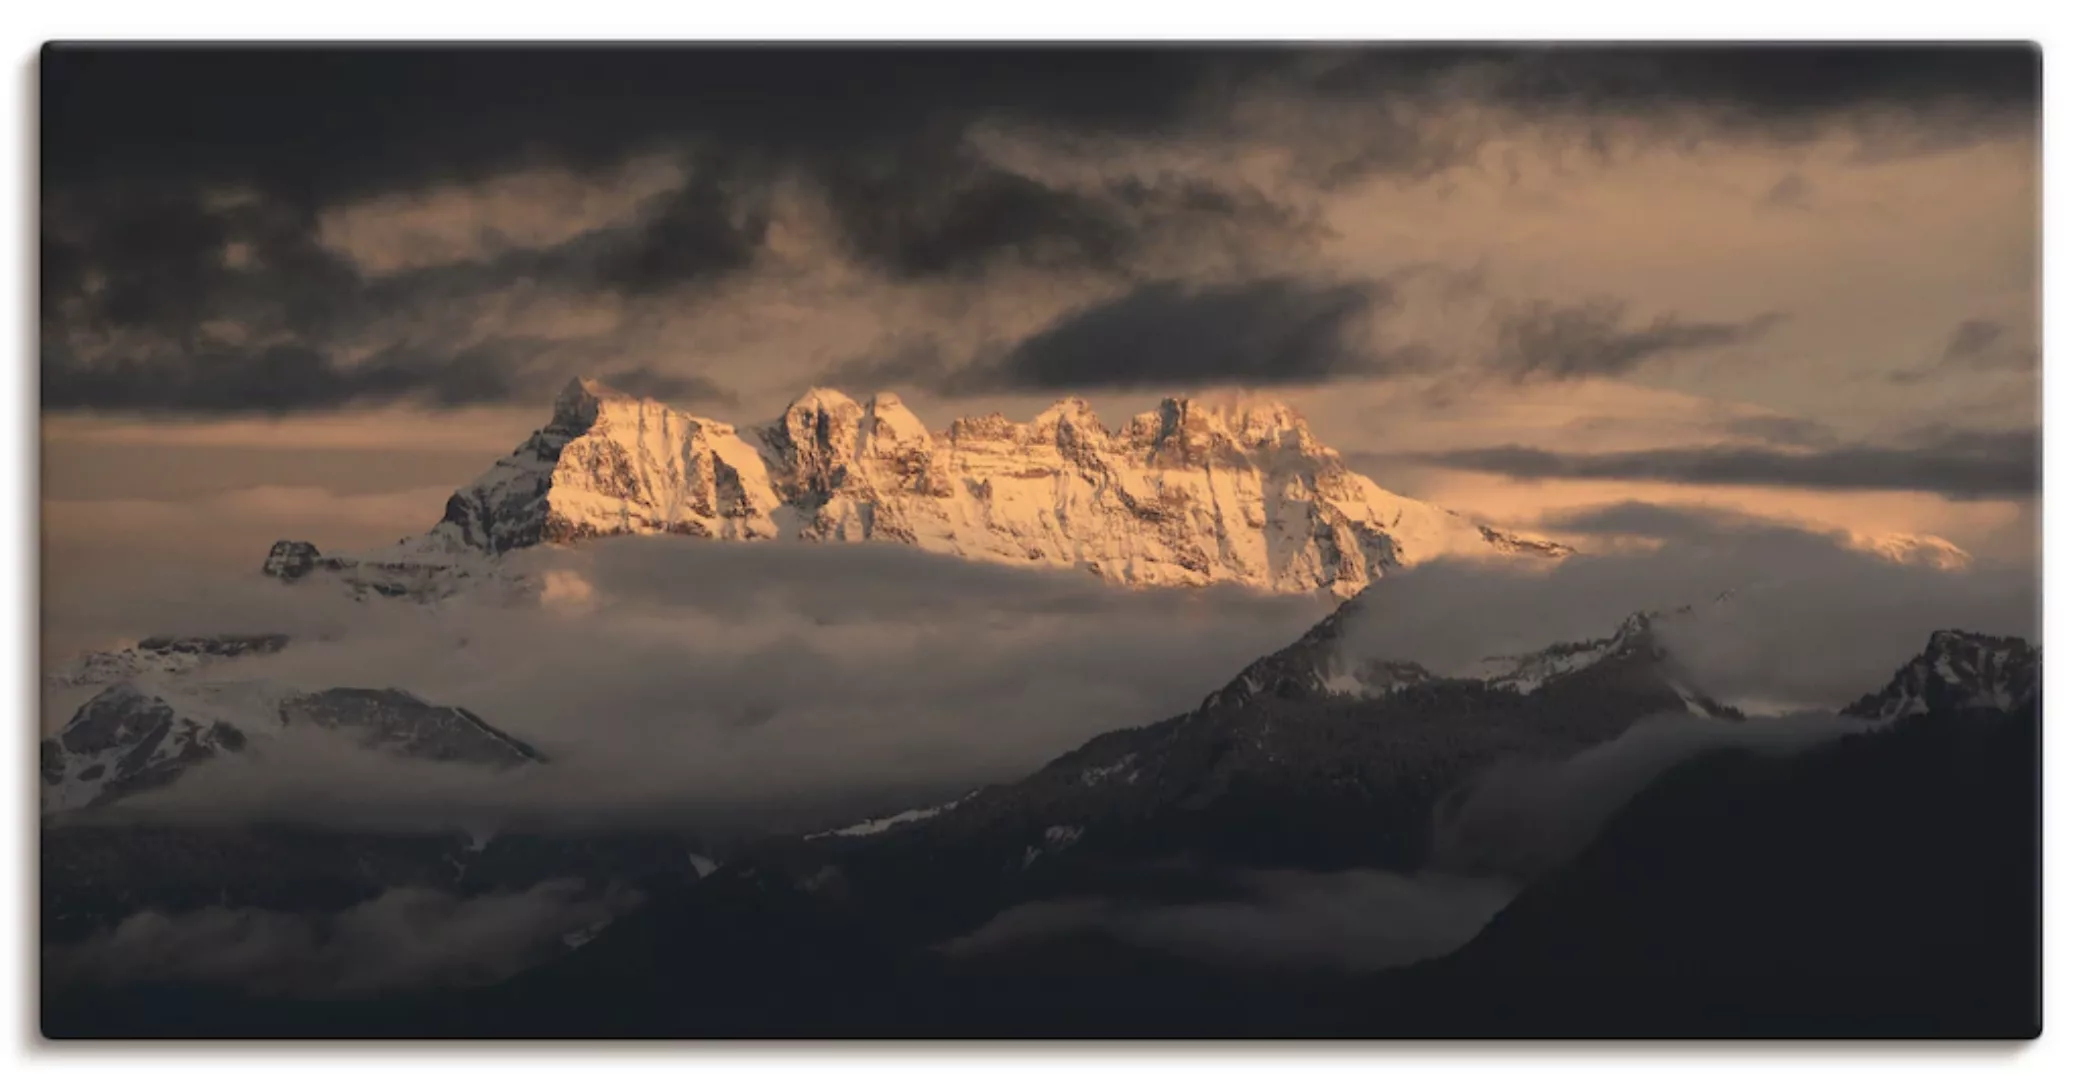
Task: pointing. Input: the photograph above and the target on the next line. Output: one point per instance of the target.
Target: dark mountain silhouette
(1879, 884)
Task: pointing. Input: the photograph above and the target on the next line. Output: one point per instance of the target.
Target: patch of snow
(884, 824)
(1692, 703)
(1093, 776)
(584, 935)
(1525, 674)
(1343, 683)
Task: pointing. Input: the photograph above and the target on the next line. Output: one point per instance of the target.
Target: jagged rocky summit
(1298, 760)
(1959, 672)
(136, 736)
(1321, 665)
(1189, 493)
(157, 656)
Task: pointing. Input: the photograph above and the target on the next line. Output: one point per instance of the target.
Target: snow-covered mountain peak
(1071, 412)
(1197, 431)
(824, 399)
(1195, 492)
(160, 656)
(135, 736)
(1960, 670)
(1326, 663)
(889, 429)
(578, 406)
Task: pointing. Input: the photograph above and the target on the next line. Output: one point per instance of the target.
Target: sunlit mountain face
(1014, 541)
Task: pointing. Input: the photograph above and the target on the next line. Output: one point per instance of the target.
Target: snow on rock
(1055, 838)
(578, 939)
(123, 741)
(135, 736)
(1098, 774)
(1527, 673)
(1058, 837)
(1190, 493)
(884, 824)
(1958, 670)
(159, 656)
(1320, 665)
(427, 568)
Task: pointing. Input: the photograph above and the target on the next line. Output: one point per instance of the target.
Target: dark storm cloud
(1545, 341)
(1971, 340)
(1956, 464)
(664, 386)
(291, 378)
(915, 361)
(335, 123)
(138, 142)
(274, 379)
(163, 261)
(1791, 430)
(1659, 521)
(693, 234)
(1977, 345)
(1895, 100)
(1986, 345)
(1781, 92)
(221, 308)
(1790, 193)
(1266, 332)
(697, 232)
(936, 207)
(931, 213)
(1766, 83)
(341, 120)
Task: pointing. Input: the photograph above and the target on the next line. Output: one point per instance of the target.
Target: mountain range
(1319, 758)
(1190, 493)
(138, 735)
(1704, 907)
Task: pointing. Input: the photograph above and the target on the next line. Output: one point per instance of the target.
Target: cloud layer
(1265, 332)
(1806, 623)
(404, 939)
(1957, 464)
(667, 678)
(538, 212)
(1543, 341)
(1513, 823)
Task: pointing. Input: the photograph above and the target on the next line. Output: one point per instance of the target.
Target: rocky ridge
(156, 656)
(1321, 666)
(1190, 493)
(136, 736)
(1959, 672)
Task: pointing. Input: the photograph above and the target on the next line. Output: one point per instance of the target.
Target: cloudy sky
(308, 294)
